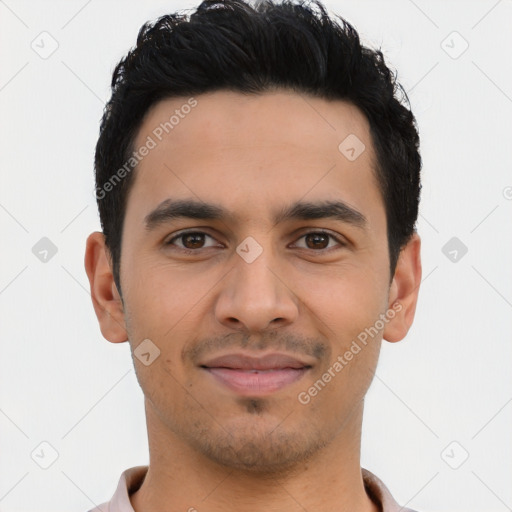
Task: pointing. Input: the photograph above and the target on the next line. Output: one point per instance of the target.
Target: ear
(404, 289)
(105, 296)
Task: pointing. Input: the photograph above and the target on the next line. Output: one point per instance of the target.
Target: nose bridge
(254, 294)
(253, 273)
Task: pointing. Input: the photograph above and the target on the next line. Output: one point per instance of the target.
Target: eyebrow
(188, 208)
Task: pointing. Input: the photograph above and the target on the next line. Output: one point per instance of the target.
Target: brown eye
(191, 240)
(317, 240)
(320, 241)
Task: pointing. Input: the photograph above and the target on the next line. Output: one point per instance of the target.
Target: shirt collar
(131, 479)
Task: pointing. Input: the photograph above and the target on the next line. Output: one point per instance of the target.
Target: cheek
(346, 302)
(157, 315)
(345, 309)
(166, 306)
(161, 294)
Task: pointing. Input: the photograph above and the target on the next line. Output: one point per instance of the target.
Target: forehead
(284, 117)
(247, 150)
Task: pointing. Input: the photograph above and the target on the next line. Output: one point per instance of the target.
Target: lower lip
(259, 382)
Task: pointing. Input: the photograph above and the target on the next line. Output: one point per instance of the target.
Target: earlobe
(105, 297)
(404, 289)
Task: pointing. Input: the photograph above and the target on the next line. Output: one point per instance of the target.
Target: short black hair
(252, 49)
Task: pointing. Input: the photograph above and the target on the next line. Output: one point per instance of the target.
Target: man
(258, 184)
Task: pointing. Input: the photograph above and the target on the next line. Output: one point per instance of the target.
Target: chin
(258, 449)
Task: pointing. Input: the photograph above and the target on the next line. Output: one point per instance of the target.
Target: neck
(180, 478)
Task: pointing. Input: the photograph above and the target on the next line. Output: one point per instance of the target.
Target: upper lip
(245, 362)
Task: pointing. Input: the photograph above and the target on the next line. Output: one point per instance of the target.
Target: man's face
(250, 284)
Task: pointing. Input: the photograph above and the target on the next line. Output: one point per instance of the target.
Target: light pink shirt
(132, 479)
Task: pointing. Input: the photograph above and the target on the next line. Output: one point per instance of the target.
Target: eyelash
(315, 232)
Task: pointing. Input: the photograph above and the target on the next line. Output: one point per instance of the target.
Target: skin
(211, 448)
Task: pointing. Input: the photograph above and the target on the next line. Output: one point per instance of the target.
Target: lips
(245, 362)
(249, 375)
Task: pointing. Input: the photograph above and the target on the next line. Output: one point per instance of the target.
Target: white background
(449, 380)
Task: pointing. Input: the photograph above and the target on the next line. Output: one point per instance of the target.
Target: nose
(254, 296)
